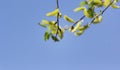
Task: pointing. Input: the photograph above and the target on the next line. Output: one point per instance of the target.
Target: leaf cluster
(88, 7)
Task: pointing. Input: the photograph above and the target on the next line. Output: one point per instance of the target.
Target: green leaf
(77, 26)
(54, 38)
(97, 20)
(68, 19)
(106, 2)
(42, 25)
(115, 6)
(53, 27)
(45, 22)
(91, 12)
(53, 31)
(98, 3)
(53, 13)
(84, 27)
(79, 33)
(83, 3)
(46, 36)
(60, 33)
(79, 9)
(90, 3)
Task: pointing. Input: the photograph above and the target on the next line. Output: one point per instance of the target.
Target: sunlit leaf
(115, 6)
(53, 13)
(84, 27)
(79, 33)
(68, 19)
(83, 3)
(54, 31)
(89, 13)
(60, 33)
(79, 9)
(76, 27)
(98, 3)
(42, 25)
(97, 20)
(45, 22)
(106, 2)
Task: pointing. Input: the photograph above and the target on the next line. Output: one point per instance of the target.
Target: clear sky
(22, 46)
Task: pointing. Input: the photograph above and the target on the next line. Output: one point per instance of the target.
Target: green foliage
(46, 36)
(88, 7)
(68, 19)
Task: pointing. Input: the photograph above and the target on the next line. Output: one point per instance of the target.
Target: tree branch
(78, 20)
(101, 13)
(57, 21)
(57, 3)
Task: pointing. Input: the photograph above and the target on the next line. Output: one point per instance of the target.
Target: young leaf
(45, 22)
(53, 13)
(54, 32)
(97, 20)
(98, 3)
(46, 36)
(60, 33)
(68, 19)
(79, 33)
(84, 27)
(83, 3)
(42, 25)
(106, 2)
(89, 13)
(76, 27)
(115, 6)
(79, 9)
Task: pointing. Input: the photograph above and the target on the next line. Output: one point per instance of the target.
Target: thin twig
(57, 21)
(57, 3)
(78, 20)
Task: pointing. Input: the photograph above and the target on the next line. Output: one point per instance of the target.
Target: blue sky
(22, 46)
